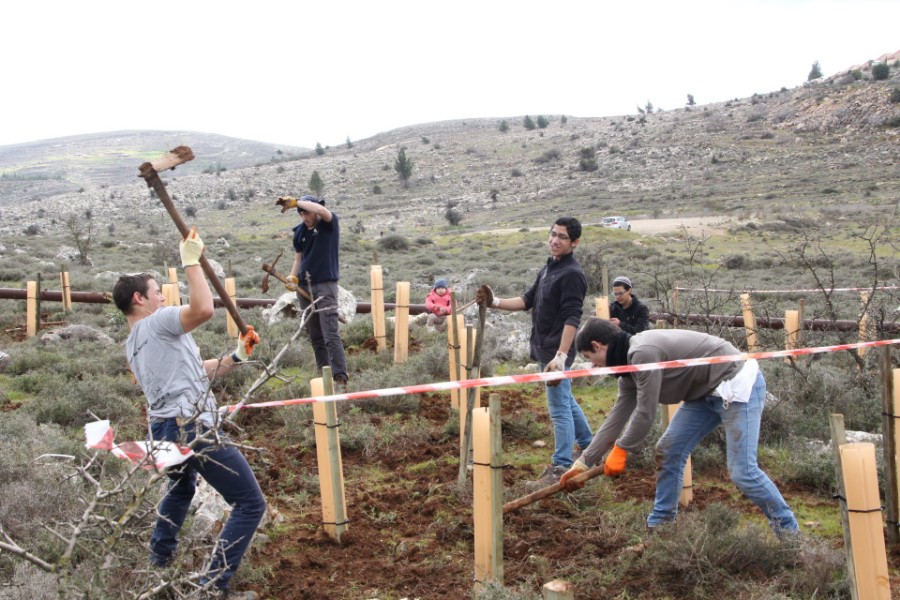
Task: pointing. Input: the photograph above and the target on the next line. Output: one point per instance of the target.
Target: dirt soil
(412, 537)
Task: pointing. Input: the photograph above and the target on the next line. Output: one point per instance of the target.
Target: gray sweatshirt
(631, 417)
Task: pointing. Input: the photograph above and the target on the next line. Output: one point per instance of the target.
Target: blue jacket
(556, 299)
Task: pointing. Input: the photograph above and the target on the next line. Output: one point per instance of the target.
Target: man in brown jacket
(731, 394)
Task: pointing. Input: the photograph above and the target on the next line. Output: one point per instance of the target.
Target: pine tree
(316, 184)
(815, 72)
(404, 167)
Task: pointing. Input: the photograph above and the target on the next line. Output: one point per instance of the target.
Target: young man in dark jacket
(556, 301)
(629, 313)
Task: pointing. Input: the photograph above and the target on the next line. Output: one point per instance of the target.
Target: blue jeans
(569, 423)
(323, 328)
(692, 422)
(227, 471)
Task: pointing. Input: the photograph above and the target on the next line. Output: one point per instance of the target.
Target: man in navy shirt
(316, 242)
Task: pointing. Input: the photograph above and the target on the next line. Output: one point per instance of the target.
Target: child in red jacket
(437, 303)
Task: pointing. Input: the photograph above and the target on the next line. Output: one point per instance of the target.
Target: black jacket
(557, 299)
(634, 319)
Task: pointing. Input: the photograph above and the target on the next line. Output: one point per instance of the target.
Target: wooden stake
(675, 304)
(401, 323)
(31, 308)
(791, 329)
(487, 492)
(687, 483)
(749, 323)
(328, 451)
(801, 311)
(863, 322)
(456, 350)
(230, 325)
(375, 277)
(864, 516)
(471, 397)
(558, 590)
(604, 275)
(173, 275)
(601, 307)
(838, 439)
(890, 399)
(170, 292)
(66, 291)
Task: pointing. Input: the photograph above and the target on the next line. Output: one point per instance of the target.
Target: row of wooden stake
(857, 474)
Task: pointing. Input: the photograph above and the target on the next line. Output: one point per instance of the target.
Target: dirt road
(710, 225)
(693, 225)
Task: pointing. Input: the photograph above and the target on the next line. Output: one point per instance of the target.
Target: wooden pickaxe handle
(150, 172)
(549, 491)
(299, 289)
(271, 271)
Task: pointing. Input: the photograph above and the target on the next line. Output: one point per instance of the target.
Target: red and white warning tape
(149, 455)
(856, 289)
(555, 375)
(158, 455)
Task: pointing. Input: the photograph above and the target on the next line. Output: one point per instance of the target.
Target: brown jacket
(640, 393)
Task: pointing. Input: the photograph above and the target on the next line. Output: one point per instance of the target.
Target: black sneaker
(550, 476)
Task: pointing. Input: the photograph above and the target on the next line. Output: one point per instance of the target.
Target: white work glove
(191, 249)
(557, 364)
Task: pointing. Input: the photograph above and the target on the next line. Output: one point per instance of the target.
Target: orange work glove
(246, 342)
(566, 481)
(615, 462)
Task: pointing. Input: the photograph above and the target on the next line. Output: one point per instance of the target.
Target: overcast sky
(299, 72)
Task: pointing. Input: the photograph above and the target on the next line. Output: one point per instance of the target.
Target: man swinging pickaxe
(150, 172)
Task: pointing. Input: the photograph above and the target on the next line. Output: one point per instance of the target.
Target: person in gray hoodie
(731, 394)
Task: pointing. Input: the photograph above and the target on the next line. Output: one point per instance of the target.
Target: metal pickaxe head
(264, 286)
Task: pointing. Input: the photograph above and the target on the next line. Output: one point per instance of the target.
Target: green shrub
(881, 71)
(394, 242)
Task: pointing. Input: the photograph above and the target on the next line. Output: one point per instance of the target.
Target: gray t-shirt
(167, 364)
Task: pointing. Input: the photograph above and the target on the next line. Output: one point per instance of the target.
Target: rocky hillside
(57, 166)
(827, 149)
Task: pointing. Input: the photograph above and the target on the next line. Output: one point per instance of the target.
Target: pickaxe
(550, 490)
(290, 285)
(150, 172)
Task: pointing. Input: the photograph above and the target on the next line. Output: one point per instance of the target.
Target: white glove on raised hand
(191, 249)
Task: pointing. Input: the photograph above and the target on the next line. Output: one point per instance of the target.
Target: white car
(616, 222)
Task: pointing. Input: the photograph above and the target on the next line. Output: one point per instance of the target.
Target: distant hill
(828, 150)
(67, 164)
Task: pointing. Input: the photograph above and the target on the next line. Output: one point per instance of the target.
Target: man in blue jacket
(556, 301)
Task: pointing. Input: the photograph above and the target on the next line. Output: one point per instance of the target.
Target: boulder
(78, 333)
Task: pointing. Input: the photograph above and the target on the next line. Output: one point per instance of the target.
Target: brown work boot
(550, 476)
(340, 383)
